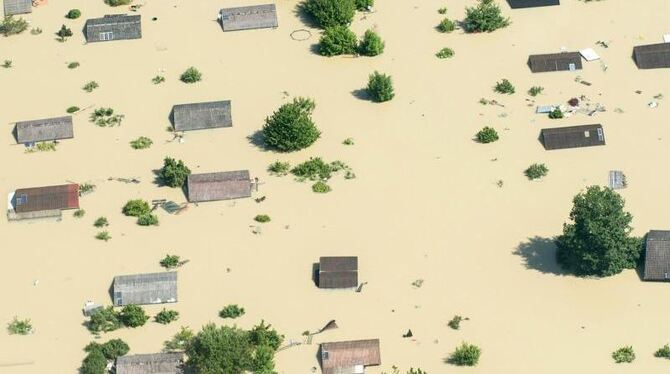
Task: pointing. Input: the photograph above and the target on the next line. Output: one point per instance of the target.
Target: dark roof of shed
(337, 357)
(516, 4)
(218, 186)
(249, 17)
(154, 363)
(573, 137)
(652, 56)
(554, 62)
(657, 257)
(113, 19)
(338, 272)
(198, 116)
(46, 198)
(44, 129)
(13, 7)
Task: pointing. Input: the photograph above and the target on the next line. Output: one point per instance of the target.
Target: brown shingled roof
(46, 198)
(343, 357)
(218, 186)
(338, 272)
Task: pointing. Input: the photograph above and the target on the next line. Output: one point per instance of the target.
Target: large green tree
(291, 127)
(329, 13)
(231, 350)
(485, 17)
(174, 173)
(598, 241)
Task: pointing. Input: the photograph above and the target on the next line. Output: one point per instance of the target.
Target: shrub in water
(12, 26)
(485, 17)
(364, 4)
(314, 169)
(231, 311)
(279, 168)
(556, 114)
(371, 44)
(147, 220)
(103, 235)
(141, 143)
(174, 173)
(101, 222)
(536, 171)
(117, 2)
(291, 128)
(136, 208)
(623, 355)
(64, 33)
(446, 25)
(79, 213)
(380, 87)
(321, 187)
(535, 90)
(262, 218)
(133, 316)
(329, 13)
(73, 14)
(487, 135)
(465, 355)
(663, 352)
(445, 53)
(72, 109)
(337, 40)
(90, 86)
(167, 316)
(104, 320)
(504, 87)
(19, 327)
(191, 75)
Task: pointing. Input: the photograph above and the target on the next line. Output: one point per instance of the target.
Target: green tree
(224, 350)
(446, 26)
(364, 4)
(64, 33)
(104, 320)
(263, 334)
(337, 40)
(380, 87)
(110, 349)
(136, 208)
(133, 316)
(147, 219)
(291, 127)
(328, 13)
(598, 242)
(180, 341)
(465, 355)
(371, 44)
(94, 363)
(485, 17)
(174, 173)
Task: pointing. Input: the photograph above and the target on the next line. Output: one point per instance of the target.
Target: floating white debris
(544, 109)
(589, 54)
(666, 38)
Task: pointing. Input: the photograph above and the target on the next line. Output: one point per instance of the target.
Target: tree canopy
(485, 17)
(174, 172)
(291, 127)
(329, 13)
(598, 241)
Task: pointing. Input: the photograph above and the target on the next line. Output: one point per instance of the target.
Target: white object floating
(589, 54)
(653, 104)
(666, 38)
(542, 109)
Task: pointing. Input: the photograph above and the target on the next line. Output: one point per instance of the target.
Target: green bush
(73, 65)
(465, 355)
(117, 2)
(105, 117)
(371, 44)
(262, 218)
(504, 87)
(231, 311)
(329, 13)
(141, 143)
(147, 220)
(535, 90)
(598, 242)
(455, 323)
(133, 316)
(279, 168)
(166, 316)
(101, 222)
(79, 213)
(556, 113)
(416, 371)
(445, 53)
(104, 320)
(364, 4)
(7, 64)
(136, 208)
(380, 87)
(158, 79)
(321, 187)
(485, 17)
(174, 173)
(291, 128)
(64, 33)
(487, 135)
(72, 109)
(111, 349)
(314, 169)
(442, 10)
(446, 25)
(19, 327)
(73, 14)
(12, 26)
(103, 235)
(536, 171)
(170, 261)
(180, 340)
(337, 40)
(348, 141)
(94, 363)
(191, 75)
(663, 352)
(624, 355)
(90, 86)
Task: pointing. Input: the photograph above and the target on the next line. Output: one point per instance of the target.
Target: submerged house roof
(349, 357)
(154, 363)
(113, 27)
(249, 17)
(657, 257)
(338, 272)
(573, 137)
(199, 116)
(13, 7)
(218, 186)
(46, 129)
(36, 199)
(516, 4)
(652, 56)
(555, 62)
(139, 289)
